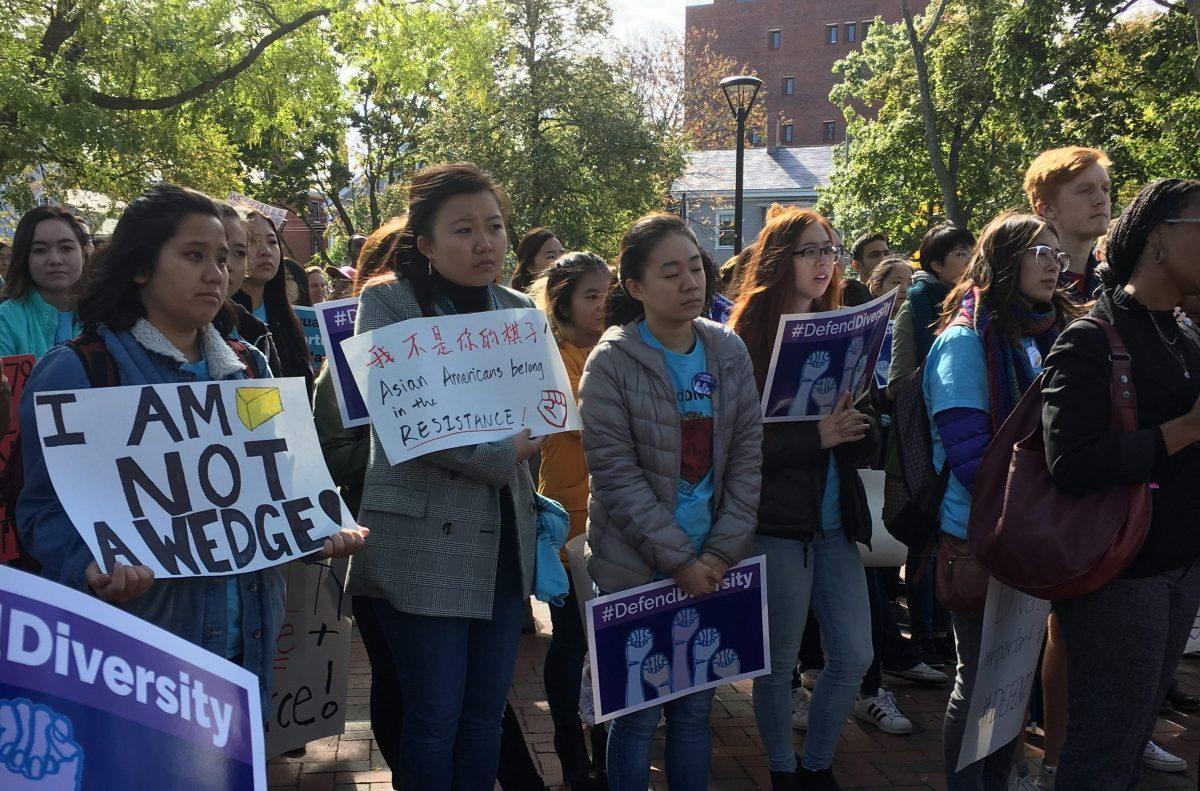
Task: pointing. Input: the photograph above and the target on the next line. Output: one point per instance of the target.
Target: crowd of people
(668, 479)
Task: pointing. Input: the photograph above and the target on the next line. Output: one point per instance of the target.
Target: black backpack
(916, 522)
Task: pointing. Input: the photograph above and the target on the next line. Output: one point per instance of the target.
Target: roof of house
(784, 169)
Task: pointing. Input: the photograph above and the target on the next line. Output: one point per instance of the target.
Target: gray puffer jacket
(631, 439)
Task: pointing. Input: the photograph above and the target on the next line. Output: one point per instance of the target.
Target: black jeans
(891, 647)
(564, 665)
(1124, 642)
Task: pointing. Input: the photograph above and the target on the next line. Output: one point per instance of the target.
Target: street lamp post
(740, 93)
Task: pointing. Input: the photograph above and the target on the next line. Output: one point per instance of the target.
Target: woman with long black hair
(264, 294)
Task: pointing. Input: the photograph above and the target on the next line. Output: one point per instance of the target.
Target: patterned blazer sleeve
(490, 462)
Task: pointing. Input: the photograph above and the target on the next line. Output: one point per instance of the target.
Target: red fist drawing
(553, 408)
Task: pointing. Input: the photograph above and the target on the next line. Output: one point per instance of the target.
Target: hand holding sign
(845, 424)
(697, 579)
(345, 542)
(527, 447)
(123, 584)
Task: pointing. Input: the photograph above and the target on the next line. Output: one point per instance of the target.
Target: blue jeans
(454, 676)
(689, 744)
(829, 574)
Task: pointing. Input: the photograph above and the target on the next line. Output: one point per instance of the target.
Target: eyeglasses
(1050, 258)
(1182, 219)
(811, 255)
(961, 252)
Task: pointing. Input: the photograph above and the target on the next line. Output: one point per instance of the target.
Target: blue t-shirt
(956, 377)
(831, 506)
(693, 385)
(233, 593)
(260, 312)
(66, 327)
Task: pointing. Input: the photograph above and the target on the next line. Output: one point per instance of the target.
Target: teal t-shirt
(693, 385)
(260, 312)
(66, 327)
(233, 593)
(831, 507)
(956, 377)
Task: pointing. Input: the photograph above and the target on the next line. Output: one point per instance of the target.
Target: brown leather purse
(1031, 535)
(960, 582)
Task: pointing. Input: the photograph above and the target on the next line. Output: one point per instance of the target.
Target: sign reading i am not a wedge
(198, 479)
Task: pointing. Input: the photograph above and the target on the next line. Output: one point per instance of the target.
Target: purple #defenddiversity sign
(92, 697)
(819, 356)
(336, 321)
(655, 643)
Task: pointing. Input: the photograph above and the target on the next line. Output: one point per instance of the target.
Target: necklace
(1169, 345)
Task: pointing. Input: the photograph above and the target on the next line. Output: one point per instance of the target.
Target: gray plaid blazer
(435, 520)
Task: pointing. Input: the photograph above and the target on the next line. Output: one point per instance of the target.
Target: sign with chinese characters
(449, 381)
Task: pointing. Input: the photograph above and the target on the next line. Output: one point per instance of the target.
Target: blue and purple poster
(312, 334)
(884, 363)
(655, 643)
(336, 322)
(820, 356)
(93, 697)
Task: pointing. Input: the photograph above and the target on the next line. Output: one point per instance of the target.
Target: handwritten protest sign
(276, 214)
(655, 643)
(448, 381)
(312, 656)
(312, 334)
(819, 356)
(17, 370)
(93, 697)
(1014, 625)
(195, 479)
(336, 322)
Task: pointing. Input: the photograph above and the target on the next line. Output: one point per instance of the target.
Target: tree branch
(166, 102)
(937, 18)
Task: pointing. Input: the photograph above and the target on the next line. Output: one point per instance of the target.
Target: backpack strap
(1122, 397)
(98, 362)
(242, 350)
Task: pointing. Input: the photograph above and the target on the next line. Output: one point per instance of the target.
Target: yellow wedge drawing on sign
(257, 405)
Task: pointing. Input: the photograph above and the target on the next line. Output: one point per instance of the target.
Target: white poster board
(1014, 626)
(312, 657)
(200, 479)
(449, 381)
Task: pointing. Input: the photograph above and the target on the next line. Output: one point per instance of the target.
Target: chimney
(774, 137)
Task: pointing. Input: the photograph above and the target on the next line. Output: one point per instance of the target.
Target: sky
(639, 18)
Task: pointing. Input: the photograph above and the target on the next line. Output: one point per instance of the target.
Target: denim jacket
(193, 608)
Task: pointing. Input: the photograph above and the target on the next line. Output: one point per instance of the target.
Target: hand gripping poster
(820, 356)
(92, 697)
(654, 643)
(448, 381)
(199, 479)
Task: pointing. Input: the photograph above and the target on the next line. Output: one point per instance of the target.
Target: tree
(1006, 80)
(111, 95)
(676, 79)
(557, 123)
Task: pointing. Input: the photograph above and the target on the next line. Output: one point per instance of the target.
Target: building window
(830, 129)
(831, 34)
(725, 230)
(774, 39)
(789, 86)
(866, 28)
(788, 133)
(851, 36)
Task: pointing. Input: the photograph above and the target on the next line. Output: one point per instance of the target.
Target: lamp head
(740, 92)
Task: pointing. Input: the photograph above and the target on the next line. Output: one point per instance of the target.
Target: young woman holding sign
(672, 433)
(572, 293)
(997, 327)
(150, 304)
(264, 293)
(40, 293)
(813, 510)
(451, 561)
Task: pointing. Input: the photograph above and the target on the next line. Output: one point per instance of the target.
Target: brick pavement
(866, 758)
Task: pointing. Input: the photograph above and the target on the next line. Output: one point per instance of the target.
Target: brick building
(792, 45)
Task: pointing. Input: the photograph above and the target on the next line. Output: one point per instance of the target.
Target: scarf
(925, 297)
(1009, 371)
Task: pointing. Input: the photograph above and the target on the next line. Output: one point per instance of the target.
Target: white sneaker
(1019, 779)
(880, 710)
(920, 673)
(800, 701)
(1158, 759)
(808, 679)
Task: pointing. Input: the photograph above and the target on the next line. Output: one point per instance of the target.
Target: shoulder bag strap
(1122, 396)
